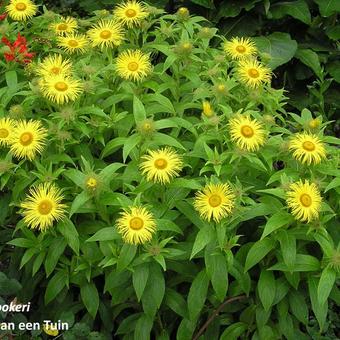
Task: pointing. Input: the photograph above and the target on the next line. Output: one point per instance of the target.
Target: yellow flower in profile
(64, 26)
(136, 225)
(247, 133)
(54, 65)
(215, 201)
(161, 166)
(304, 200)
(28, 139)
(307, 148)
(130, 13)
(252, 73)
(49, 330)
(133, 65)
(106, 33)
(43, 206)
(73, 43)
(21, 10)
(61, 89)
(6, 129)
(207, 109)
(239, 48)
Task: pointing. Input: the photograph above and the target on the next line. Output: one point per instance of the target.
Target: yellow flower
(54, 65)
(73, 43)
(216, 201)
(91, 183)
(43, 206)
(183, 13)
(207, 109)
(304, 200)
(314, 123)
(61, 89)
(252, 73)
(49, 330)
(239, 48)
(133, 65)
(161, 165)
(107, 33)
(28, 139)
(21, 10)
(7, 127)
(136, 225)
(130, 13)
(64, 26)
(307, 148)
(247, 133)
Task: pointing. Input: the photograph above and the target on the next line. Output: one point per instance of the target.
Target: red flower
(3, 16)
(18, 50)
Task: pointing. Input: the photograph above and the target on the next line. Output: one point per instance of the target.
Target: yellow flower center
(73, 43)
(20, 6)
(253, 73)
(106, 34)
(161, 163)
(136, 223)
(247, 131)
(26, 138)
(130, 13)
(55, 70)
(61, 86)
(132, 66)
(308, 146)
(4, 133)
(187, 46)
(147, 126)
(215, 200)
(91, 182)
(306, 200)
(45, 207)
(240, 49)
(62, 27)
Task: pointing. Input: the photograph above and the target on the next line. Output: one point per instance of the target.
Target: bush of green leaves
(257, 273)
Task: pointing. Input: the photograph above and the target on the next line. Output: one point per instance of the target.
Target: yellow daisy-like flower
(49, 330)
(107, 33)
(61, 89)
(130, 13)
(207, 109)
(28, 139)
(304, 200)
(161, 166)
(239, 48)
(133, 65)
(6, 129)
(307, 148)
(136, 225)
(64, 26)
(73, 43)
(54, 65)
(21, 10)
(252, 73)
(43, 206)
(247, 133)
(215, 201)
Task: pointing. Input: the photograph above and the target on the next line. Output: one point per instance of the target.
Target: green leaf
(266, 288)
(90, 297)
(326, 283)
(234, 331)
(139, 112)
(27, 256)
(22, 243)
(310, 59)
(198, 294)
(258, 251)
(111, 146)
(79, 202)
(279, 46)
(328, 7)
(333, 184)
(55, 250)
(176, 302)
(126, 255)
(298, 306)
(163, 139)
(130, 144)
(143, 327)
(278, 220)
(70, 233)
(303, 263)
(288, 248)
(203, 237)
(140, 278)
(204, 3)
(105, 234)
(167, 225)
(297, 9)
(11, 79)
(55, 285)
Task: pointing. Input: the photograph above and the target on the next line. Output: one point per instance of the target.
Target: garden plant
(155, 184)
